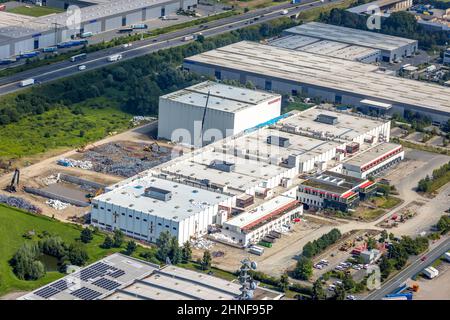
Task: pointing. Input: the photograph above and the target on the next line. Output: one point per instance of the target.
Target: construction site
(63, 186)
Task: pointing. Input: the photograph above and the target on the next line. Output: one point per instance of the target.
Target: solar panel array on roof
(106, 284)
(86, 293)
(46, 292)
(117, 274)
(97, 270)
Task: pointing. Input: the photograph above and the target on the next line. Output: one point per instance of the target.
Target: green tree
(371, 243)
(131, 247)
(108, 243)
(186, 252)
(303, 269)
(86, 235)
(175, 251)
(118, 238)
(348, 282)
(163, 243)
(339, 293)
(77, 255)
(284, 282)
(318, 292)
(206, 260)
(443, 224)
(385, 267)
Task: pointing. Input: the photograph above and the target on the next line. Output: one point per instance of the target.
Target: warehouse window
(124, 21)
(123, 213)
(167, 225)
(137, 218)
(217, 74)
(174, 228)
(338, 99)
(163, 11)
(109, 210)
(159, 224)
(130, 216)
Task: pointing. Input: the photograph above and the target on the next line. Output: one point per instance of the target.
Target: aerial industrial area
(224, 150)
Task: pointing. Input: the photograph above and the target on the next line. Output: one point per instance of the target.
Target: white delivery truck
(27, 82)
(188, 38)
(114, 57)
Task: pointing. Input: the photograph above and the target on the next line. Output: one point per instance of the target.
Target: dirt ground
(437, 288)
(34, 175)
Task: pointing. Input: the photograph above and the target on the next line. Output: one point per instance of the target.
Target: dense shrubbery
(443, 224)
(136, 83)
(439, 177)
(402, 24)
(399, 253)
(26, 265)
(312, 248)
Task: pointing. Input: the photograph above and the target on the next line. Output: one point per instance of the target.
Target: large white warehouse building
(224, 110)
(148, 206)
(19, 33)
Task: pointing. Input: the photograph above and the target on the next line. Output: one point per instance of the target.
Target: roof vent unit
(324, 118)
(278, 141)
(222, 165)
(158, 194)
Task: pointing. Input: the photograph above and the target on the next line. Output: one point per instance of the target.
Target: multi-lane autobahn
(413, 269)
(98, 59)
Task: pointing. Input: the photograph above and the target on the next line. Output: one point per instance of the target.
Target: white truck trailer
(26, 82)
(114, 57)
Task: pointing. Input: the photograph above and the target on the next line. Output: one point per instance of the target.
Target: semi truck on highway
(78, 57)
(114, 57)
(26, 82)
(188, 38)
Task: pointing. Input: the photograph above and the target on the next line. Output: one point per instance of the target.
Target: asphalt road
(413, 269)
(98, 59)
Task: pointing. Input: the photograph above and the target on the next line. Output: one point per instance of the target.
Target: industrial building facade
(330, 79)
(211, 111)
(245, 184)
(146, 207)
(335, 191)
(20, 33)
(374, 161)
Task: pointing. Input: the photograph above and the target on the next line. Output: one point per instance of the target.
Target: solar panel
(46, 292)
(86, 293)
(106, 284)
(117, 273)
(61, 285)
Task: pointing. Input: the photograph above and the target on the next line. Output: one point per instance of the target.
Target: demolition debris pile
(125, 160)
(19, 203)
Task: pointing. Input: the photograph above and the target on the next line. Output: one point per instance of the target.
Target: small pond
(50, 263)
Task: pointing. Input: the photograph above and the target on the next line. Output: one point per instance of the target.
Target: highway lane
(98, 59)
(411, 270)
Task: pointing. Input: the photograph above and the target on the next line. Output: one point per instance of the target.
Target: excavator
(152, 147)
(14, 185)
(97, 193)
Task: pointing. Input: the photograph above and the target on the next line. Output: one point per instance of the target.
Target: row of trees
(401, 24)
(136, 84)
(26, 264)
(427, 184)
(312, 248)
(399, 252)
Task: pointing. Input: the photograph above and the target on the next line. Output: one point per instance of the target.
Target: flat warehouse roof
(234, 180)
(186, 200)
(222, 97)
(373, 153)
(174, 283)
(247, 167)
(305, 147)
(329, 73)
(348, 126)
(324, 47)
(94, 281)
(350, 35)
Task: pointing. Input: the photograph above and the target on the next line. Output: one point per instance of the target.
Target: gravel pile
(19, 203)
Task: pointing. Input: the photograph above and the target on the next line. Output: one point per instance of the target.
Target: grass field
(62, 127)
(14, 223)
(387, 202)
(34, 11)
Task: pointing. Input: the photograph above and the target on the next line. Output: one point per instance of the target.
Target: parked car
(82, 67)
(351, 297)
